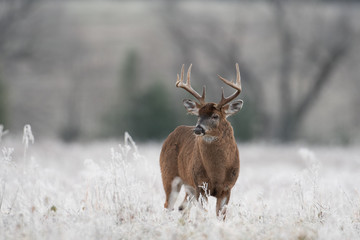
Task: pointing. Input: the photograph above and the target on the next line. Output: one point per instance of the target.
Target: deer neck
(215, 144)
(216, 155)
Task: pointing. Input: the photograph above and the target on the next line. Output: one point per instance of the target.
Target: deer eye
(215, 116)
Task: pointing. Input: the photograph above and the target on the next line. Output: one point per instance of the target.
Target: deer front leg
(221, 204)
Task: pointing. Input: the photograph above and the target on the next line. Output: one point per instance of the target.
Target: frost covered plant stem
(128, 140)
(7, 152)
(27, 138)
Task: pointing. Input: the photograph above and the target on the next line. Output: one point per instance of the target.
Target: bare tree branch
(294, 114)
(323, 76)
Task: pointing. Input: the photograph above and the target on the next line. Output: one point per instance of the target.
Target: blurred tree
(116, 120)
(71, 131)
(244, 124)
(145, 114)
(12, 12)
(128, 85)
(152, 116)
(129, 75)
(3, 103)
(72, 128)
(336, 42)
(333, 39)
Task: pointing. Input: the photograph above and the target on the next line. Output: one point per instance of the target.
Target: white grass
(106, 191)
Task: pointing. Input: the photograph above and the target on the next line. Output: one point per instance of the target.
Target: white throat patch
(209, 139)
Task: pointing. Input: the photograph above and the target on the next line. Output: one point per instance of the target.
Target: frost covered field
(104, 190)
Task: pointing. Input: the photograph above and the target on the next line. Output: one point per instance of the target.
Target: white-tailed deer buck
(206, 153)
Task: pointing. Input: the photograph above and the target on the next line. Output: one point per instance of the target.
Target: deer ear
(191, 107)
(233, 107)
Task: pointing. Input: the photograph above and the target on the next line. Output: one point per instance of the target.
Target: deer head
(211, 115)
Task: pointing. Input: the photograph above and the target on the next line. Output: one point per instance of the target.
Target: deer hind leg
(184, 204)
(172, 192)
(189, 196)
(221, 204)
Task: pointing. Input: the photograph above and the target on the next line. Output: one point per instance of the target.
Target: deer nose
(198, 130)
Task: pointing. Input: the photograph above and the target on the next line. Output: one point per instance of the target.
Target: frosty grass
(103, 190)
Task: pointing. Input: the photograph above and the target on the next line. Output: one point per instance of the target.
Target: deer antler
(187, 86)
(236, 85)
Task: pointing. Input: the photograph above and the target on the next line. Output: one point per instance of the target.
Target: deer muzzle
(199, 130)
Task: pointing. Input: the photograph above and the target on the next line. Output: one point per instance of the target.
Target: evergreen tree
(145, 114)
(244, 122)
(153, 116)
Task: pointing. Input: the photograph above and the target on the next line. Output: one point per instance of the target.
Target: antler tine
(188, 75)
(187, 86)
(236, 85)
(238, 77)
(182, 73)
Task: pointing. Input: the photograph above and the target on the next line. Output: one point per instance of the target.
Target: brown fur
(197, 161)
